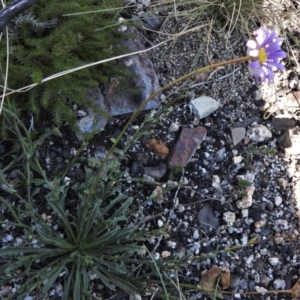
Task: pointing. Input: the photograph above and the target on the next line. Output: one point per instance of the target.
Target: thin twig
(214, 80)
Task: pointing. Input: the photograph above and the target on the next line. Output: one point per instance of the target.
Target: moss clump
(44, 42)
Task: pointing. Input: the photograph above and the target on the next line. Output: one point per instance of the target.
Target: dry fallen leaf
(225, 278)
(158, 147)
(158, 194)
(295, 291)
(210, 278)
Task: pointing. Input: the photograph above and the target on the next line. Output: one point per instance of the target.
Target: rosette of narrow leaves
(94, 236)
(94, 239)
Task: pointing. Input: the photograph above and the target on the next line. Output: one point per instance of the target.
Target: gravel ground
(229, 193)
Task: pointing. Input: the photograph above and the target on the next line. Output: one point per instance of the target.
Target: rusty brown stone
(188, 142)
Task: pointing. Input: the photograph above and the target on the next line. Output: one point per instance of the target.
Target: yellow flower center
(262, 55)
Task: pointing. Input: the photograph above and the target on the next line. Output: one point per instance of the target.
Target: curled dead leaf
(295, 291)
(210, 278)
(158, 195)
(158, 147)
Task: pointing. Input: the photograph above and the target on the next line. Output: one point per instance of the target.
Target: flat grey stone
(208, 219)
(237, 134)
(204, 106)
(156, 172)
(283, 123)
(248, 122)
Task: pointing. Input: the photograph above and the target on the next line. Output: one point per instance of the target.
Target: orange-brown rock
(158, 147)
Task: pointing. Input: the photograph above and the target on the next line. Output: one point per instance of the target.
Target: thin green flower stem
(140, 108)
(70, 164)
(14, 224)
(26, 149)
(41, 170)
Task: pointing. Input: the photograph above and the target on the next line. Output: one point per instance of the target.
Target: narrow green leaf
(91, 220)
(159, 274)
(51, 240)
(123, 248)
(57, 209)
(122, 234)
(77, 285)
(68, 284)
(117, 267)
(22, 250)
(123, 207)
(118, 281)
(102, 239)
(104, 280)
(85, 279)
(53, 278)
(118, 199)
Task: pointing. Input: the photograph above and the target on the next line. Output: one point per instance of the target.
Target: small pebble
(273, 261)
(249, 259)
(279, 284)
(8, 238)
(171, 244)
(237, 159)
(160, 223)
(165, 254)
(278, 200)
(173, 127)
(81, 113)
(196, 234)
(229, 218)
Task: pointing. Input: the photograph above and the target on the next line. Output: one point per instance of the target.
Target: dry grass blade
(7, 64)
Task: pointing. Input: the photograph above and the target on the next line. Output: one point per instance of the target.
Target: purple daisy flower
(266, 52)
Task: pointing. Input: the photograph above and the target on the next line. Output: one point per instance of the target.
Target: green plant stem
(13, 213)
(153, 95)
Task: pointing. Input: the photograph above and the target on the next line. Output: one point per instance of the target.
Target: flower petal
(255, 64)
(253, 53)
(277, 65)
(269, 39)
(251, 44)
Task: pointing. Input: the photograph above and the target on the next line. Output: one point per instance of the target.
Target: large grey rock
(204, 106)
(120, 100)
(152, 21)
(93, 121)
